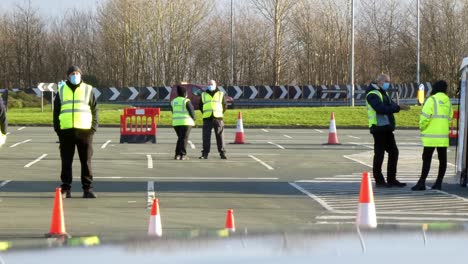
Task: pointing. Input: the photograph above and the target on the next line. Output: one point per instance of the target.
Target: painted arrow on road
(254, 92)
(152, 93)
(134, 93)
(115, 92)
(269, 92)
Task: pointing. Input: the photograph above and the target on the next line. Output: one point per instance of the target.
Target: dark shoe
(395, 183)
(419, 187)
(223, 156)
(203, 157)
(381, 185)
(436, 187)
(66, 194)
(89, 194)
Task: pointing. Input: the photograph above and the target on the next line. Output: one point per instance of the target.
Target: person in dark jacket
(183, 119)
(75, 122)
(213, 105)
(380, 110)
(3, 122)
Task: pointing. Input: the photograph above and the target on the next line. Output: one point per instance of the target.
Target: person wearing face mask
(183, 119)
(213, 105)
(380, 110)
(75, 122)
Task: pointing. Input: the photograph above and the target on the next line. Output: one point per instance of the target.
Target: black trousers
(83, 141)
(218, 125)
(183, 133)
(385, 142)
(427, 159)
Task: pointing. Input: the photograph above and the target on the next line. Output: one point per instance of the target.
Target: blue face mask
(75, 79)
(211, 88)
(385, 86)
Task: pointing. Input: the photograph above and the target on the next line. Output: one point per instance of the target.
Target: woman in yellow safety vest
(434, 124)
(183, 119)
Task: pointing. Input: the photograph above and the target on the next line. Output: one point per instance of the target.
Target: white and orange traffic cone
(230, 223)
(239, 131)
(366, 216)
(332, 135)
(154, 227)
(57, 224)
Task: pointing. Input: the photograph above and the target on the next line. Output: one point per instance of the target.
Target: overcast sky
(51, 7)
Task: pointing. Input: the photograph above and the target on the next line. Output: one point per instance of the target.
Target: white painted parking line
(150, 161)
(105, 144)
(274, 144)
(287, 136)
(35, 161)
(3, 183)
(363, 145)
(354, 137)
(317, 199)
(358, 161)
(21, 128)
(418, 218)
(261, 162)
(19, 143)
(191, 144)
(265, 130)
(318, 130)
(186, 178)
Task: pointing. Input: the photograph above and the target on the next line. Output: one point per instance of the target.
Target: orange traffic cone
(154, 227)
(366, 216)
(57, 226)
(239, 131)
(332, 136)
(230, 224)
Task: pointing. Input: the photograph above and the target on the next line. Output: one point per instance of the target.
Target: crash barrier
(138, 125)
(453, 134)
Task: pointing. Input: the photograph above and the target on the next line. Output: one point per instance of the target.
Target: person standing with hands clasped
(380, 110)
(213, 106)
(3, 123)
(183, 119)
(434, 124)
(75, 121)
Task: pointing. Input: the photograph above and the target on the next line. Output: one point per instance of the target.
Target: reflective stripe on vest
(436, 133)
(212, 105)
(372, 116)
(180, 115)
(75, 111)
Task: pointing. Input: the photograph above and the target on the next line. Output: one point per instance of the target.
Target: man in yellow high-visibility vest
(183, 119)
(434, 124)
(213, 105)
(75, 121)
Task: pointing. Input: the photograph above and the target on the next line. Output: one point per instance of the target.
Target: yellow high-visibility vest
(212, 105)
(435, 120)
(372, 116)
(75, 111)
(180, 114)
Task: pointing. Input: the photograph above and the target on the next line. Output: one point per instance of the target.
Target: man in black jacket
(380, 109)
(75, 121)
(3, 122)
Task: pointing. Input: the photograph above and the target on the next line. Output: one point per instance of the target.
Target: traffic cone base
(154, 227)
(366, 214)
(57, 225)
(332, 135)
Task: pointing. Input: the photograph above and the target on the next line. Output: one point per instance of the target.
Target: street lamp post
(418, 48)
(231, 70)
(352, 53)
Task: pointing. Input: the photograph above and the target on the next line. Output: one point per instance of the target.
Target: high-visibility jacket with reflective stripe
(180, 114)
(212, 105)
(372, 116)
(434, 121)
(75, 111)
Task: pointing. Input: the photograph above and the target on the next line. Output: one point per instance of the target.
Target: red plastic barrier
(453, 134)
(138, 125)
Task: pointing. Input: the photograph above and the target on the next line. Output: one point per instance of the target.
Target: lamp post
(231, 70)
(352, 53)
(418, 48)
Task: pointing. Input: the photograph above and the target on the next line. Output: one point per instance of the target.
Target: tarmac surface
(280, 180)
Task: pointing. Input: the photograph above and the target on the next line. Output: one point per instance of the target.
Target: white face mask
(75, 79)
(211, 88)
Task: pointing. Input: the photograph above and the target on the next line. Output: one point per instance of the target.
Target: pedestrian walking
(380, 110)
(183, 119)
(3, 122)
(75, 122)
(434, 123)
(213, 106)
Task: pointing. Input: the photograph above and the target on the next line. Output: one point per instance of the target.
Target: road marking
(287, 136)
(317, 199)
(19, 143)
(318, 130)
(279, 146)
(361, 144)
(354, 137)
(185, 178)
(264, 130)
(105, 144)
(358, 161)
(21, 128)
(3, 183)
(191, 144)
(261, 162)
(150, 161)
(35, 161)
(345, 217)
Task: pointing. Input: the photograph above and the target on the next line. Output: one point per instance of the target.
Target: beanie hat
(73, 69)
